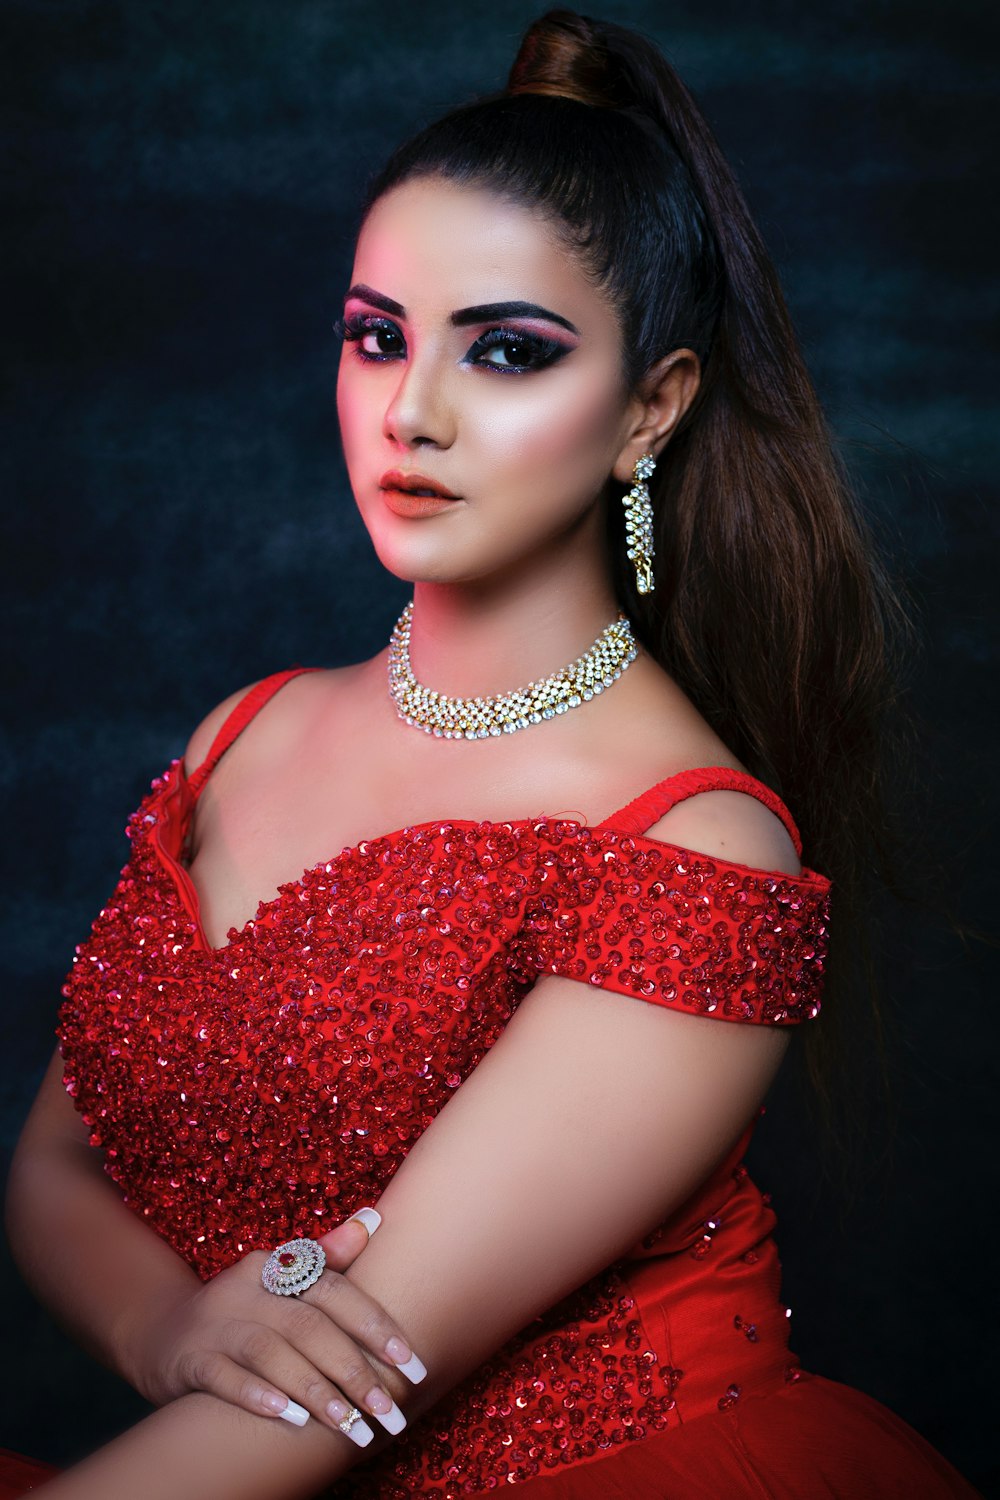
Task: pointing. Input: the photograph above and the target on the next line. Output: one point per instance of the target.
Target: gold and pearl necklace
(503, 713)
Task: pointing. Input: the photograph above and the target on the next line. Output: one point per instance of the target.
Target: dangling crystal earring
(639, 523)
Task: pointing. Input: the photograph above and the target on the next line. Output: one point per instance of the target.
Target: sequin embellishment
(262, 1092)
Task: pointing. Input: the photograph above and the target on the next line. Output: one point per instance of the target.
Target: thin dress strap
(248, 707)
(643, 811)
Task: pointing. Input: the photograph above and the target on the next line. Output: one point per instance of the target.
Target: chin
(423, 558)
(410, 567)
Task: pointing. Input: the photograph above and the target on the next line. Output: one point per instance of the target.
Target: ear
(663, 397)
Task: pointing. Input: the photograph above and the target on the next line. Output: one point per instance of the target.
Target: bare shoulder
(730, 825)
(290, 708)
(203, 737)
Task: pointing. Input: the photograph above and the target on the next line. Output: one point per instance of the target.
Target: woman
(522, 1036)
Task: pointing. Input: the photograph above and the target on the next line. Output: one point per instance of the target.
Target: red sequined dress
(246, 1095)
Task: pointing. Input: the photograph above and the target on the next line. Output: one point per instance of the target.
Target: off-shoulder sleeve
(676, 928)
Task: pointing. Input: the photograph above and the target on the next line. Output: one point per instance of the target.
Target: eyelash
(543, 351)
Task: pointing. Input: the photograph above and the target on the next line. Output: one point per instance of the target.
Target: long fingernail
(357, 1430)
(413, 1368)
(385, 1409)
(370, 1218)
(294, 1413)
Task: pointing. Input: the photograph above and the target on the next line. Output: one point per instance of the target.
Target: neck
(476, 640)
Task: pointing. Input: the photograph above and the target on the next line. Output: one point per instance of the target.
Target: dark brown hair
(772, 609)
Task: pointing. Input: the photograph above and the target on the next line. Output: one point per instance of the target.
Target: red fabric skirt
(20, 1475)
(815, 1438)
(812, 1440)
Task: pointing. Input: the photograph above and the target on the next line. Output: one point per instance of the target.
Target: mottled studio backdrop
(177, 520)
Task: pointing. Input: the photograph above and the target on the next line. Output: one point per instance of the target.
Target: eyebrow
(489, 312)
(484, 312)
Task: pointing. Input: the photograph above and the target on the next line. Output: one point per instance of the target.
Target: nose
(420, 413)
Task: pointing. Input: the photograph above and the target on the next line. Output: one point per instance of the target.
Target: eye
(514, 350)
(377, 339)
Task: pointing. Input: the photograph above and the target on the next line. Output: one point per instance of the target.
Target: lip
(403, 504)
(395, 479)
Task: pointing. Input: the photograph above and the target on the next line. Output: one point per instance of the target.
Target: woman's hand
(282, 1356)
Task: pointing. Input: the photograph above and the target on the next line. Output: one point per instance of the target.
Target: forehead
(434, 245)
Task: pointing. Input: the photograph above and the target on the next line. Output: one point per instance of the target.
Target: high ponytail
(771, 607)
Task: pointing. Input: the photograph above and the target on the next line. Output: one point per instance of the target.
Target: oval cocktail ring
(293, 1267)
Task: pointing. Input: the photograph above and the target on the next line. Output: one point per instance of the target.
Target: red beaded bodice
(246, 1095)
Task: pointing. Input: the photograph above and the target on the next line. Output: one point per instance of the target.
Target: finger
(222, 1377)
(317, 1366)
(366, 1320)
(344, 1244)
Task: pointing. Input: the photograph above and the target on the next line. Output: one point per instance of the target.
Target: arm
(87, 1257)
(477, 1241)
(136, 1305)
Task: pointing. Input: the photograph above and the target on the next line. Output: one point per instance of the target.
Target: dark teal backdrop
(178, 521)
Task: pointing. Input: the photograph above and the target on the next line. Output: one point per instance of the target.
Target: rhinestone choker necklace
(478, 718)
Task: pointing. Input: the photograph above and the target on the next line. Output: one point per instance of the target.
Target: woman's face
(479, 358)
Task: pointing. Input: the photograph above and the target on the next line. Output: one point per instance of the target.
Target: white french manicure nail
(370, 1218)
(359, 1432)
(295, 1414)
(414, 1369)
(393, 1420)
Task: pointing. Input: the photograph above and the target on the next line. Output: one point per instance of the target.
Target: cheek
(352, 412)
(362, 398)
(554, 434)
